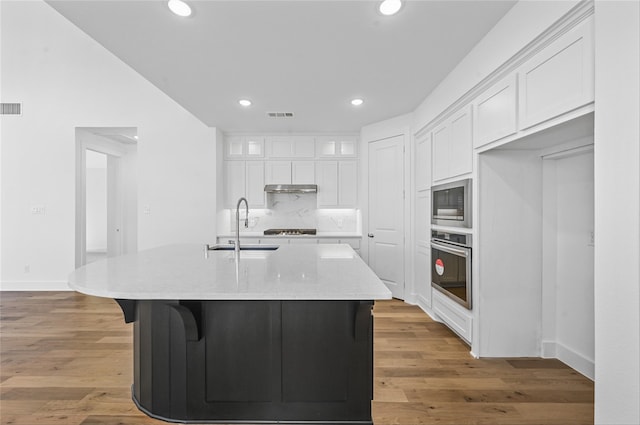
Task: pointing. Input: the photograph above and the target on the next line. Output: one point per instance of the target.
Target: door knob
(370, 235)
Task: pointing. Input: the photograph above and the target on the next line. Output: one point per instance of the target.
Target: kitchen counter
(313, 272)
(318, 235)
(283, 336)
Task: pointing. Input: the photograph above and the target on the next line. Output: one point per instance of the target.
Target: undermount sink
(248, 247)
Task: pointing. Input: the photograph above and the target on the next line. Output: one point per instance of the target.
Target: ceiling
(303, 56)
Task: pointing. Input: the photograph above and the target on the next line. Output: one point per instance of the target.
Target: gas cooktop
(290, 232)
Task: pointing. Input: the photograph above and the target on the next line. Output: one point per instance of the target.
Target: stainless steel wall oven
(451, 266)
(451, 204)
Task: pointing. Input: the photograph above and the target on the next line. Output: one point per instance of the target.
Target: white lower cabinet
(456, 317)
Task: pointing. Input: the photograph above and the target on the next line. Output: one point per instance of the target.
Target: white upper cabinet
(237, 147)
(254, 190)
(244, 179)
(291, 147)
(278, 172)
(495, 112)
(452, 150)
(303, 172)
(422, 163)
(559, 78)
(287, 172)
(461, 144)
(331, 147)
(337, 183)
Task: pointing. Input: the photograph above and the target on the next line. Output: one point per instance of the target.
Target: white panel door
(303, 172)
(386, 212)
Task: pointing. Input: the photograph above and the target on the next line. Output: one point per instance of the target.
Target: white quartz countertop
(250, 234)
(184, 272)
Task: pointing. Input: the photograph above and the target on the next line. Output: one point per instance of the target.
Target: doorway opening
(106, 192)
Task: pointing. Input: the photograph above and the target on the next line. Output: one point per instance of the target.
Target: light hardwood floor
(66, 359)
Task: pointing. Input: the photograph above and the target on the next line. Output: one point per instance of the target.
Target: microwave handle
(463, 252)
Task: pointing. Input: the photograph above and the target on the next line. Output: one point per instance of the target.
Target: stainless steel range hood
(291, 188)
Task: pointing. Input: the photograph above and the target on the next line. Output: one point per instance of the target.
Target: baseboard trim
(44, 285)
(576, 361)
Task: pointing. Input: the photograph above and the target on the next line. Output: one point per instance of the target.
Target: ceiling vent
(280, 114)
(10, 108)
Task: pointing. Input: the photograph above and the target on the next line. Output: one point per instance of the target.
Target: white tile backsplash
(288, 210)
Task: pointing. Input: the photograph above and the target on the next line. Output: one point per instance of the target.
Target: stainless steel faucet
(246, 221)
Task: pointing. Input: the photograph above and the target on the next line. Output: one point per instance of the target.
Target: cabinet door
(280, 147)
(254, 147)
(303, 147)
(327, 180)
(303, 172)
(234, 182)
(255, 183)
(234, 147)
(461, 155)
(326, 146)
(495, 113)
(422, 162)
(278, 172)
(560, 78)
(347, 148)
(441, 149)
(347, 183)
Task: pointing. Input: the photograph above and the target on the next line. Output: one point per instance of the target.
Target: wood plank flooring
(66, 359)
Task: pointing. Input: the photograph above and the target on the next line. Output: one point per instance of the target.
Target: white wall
(66, 80)
(509, 252)
(567, 284)
(617, 229)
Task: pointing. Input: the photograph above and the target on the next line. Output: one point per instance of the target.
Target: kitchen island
(268, 336)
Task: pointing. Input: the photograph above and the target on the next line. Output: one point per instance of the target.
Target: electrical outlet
(146, 210)
(592, 238)
(27, 268)
(38, 209)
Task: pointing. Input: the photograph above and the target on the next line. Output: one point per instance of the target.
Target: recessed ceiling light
(179, 7)
(390, 7)
(357, 102)
(245, 102)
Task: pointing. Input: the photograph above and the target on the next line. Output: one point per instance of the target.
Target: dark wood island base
(253, 361)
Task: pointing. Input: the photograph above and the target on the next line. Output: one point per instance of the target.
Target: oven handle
(462, 252)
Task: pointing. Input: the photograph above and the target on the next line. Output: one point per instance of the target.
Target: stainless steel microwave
(451, 204)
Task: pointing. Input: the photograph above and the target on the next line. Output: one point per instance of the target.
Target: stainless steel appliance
(451, 204)
(289, 232)
(451, 266)
(291, 188)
